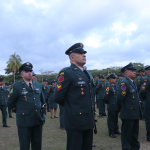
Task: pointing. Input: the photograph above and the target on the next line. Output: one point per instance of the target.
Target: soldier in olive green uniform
(74, 91)
(112, 108)
(100, 90)
(27, 100)
(45, 89)
(3, 101)
(145, 94)
(8, 96)
(97, 80)
(52, 104)
(120, 76)
(127, 96)
(139, 82)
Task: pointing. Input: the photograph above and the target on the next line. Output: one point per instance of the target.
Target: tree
(13, 64)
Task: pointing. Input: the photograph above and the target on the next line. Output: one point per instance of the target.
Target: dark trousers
(147, 122)
(112, 121)
(61, 116)
(9, 112)
(79, 140)
(47, 103)
(3, 109)
(129, 134)
(97, 102)
(30, 134)
(101, 107)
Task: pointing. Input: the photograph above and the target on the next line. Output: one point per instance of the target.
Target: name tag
(24, 91)
(81, 82)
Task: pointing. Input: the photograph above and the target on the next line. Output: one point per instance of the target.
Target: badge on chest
(24, 92)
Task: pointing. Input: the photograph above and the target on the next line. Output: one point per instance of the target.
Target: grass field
(55, 139)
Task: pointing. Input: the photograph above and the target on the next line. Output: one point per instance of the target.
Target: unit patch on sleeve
(58, 86)
(143, 87)
(123, 87)
(107, 89)
(144, 83)
(123, 93)
(62, 73)
(11, 90)
(61, 79)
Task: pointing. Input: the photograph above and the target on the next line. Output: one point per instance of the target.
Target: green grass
(55, 139)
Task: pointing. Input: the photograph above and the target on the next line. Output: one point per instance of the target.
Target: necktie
(86, 73)
(30, 85)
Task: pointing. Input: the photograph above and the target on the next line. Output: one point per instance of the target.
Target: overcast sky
(114, 32)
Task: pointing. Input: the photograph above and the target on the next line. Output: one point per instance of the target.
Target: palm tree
(14, 63)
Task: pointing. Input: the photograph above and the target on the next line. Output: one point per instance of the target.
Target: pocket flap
(79, 111)
(23, 112)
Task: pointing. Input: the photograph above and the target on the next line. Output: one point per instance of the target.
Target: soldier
(74, 91)
(3, 101)
(8, 96)
(46, 89)
(33, 76)
(100, 90)
(52, 104)
(112, 108)
(120, 76)
(145, 94)
(128, 97)
(27, 100)
(97, 80)
(139, 82)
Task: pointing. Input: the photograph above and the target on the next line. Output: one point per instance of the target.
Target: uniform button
(81, 85)
(92, 106)
(131, 108)
(80, 113)
(91, 98)
(23, 113)
(34, 98)
(36, 110)
(89, 83)
(35, 104)
(90, 91)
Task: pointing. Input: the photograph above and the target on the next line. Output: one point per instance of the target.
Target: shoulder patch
(58, 86)
(122, 83)
(107, 89)
(123, 87)
(11, 90)
(61, 79)
(123, 93)
(61, 73)
(143, 87)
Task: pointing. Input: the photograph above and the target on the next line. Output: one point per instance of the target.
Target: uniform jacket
(128, 97)
(45, 89)
(27, 103)
(74, 91)
(51, 93)
(139, 82)
(145, 92)
(3, 95)
(111, 97)
(100, 90)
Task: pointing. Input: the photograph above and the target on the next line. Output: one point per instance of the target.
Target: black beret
(26, 67)
(76, 48)
(130, 66)
(1, 78)
(147, 67)
(112, 76)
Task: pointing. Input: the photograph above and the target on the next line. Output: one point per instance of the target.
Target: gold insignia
(122, 83)
(123, 93)
(28, 64)
(82, 93)
(145, 79)
(143, 87)
(70, 51)
(81, 44)
(62, 73)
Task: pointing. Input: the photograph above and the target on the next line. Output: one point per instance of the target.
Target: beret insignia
(28, 64)
(143, 87)
(59, 86)
(62, 73)
(123, 93)
(61, 79)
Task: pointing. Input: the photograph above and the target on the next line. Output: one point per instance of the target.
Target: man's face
(148, 72)
(27, 75)
(79, 59)
(113, 81)
(102, 80)
(33, 78)
(130, 74)
(7, 86)
(120, 78)
(142, 74)
(45, 83)
(1, 83)
(53, 84)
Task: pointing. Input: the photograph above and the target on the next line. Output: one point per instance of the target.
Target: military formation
(77, 93)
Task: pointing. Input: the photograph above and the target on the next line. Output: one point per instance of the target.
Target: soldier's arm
(43, 102)
(144, 88)
(62, 86)
(13, 98)
(106, 98)
(97, 87)
(121, 93)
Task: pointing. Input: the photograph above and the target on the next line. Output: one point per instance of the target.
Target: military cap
(120, 75)
(130, 66)
(7, 83)
(147, 68)
(76, 48)
(112, 76)
(26, 67)
(138, 74)
(141, 70)
(1, 78)
(45, 80)
(10, 83)
(53, 81)
(33, 74)
(101, 77)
